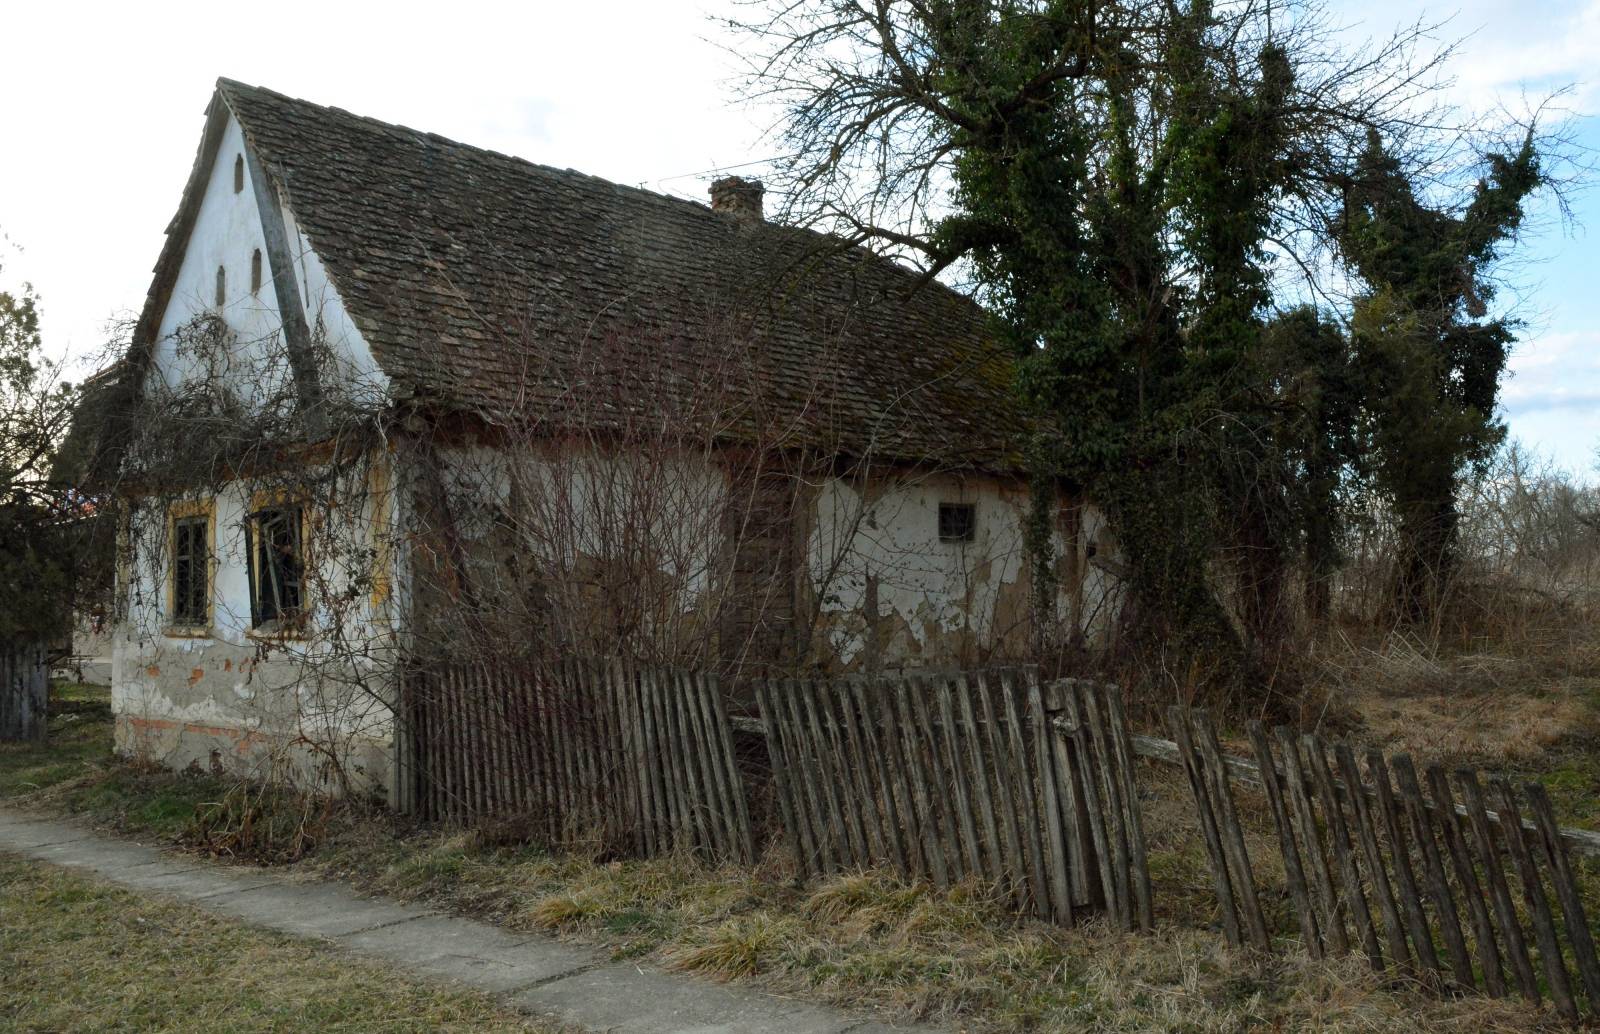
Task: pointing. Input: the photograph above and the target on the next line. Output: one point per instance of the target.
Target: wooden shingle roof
(490, 284)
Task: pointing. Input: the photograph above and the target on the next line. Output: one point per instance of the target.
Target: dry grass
(84, 956)
(1522, 699)
(868, 940)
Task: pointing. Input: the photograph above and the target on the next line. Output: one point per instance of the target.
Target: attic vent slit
(222, 287)
(238, 174)
(255, 272)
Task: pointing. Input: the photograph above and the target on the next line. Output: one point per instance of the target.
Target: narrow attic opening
(238, 174)
(222, 286)
(255, 272)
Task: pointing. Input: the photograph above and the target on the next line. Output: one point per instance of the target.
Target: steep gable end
(489, 284)
(213, 312)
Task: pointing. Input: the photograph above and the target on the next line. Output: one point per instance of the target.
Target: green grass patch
(88, 956)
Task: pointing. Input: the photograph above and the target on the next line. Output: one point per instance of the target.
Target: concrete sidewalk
(537, 975)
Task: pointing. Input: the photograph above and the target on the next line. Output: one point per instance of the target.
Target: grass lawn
(863, 940)
(81, 955)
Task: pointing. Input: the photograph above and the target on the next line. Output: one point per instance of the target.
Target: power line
(722, 168)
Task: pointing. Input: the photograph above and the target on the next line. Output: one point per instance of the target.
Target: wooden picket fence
(1375, 864)
(634, 759)
(989, 775)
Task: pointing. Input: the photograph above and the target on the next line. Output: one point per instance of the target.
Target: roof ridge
(225, 85)
(494, 283)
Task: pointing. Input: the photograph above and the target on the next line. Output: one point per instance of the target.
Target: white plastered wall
(226, 697)
(891, 592)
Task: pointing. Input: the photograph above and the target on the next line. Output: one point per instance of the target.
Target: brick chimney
(738, 197)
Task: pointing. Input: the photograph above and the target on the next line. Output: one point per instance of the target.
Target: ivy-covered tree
(1120, 182)
(1429, 345)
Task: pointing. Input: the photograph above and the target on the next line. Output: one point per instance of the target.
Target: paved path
(538, 975)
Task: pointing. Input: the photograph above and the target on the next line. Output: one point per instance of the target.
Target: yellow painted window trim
(266, 499)
(180, 510)
(379, 491)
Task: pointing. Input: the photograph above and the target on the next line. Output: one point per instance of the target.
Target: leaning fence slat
(857, 762)
(1132, 821)
(679, 822)
(1367, 827)
(638, 756)
(893, 756)
(1057, 861)
(1544, 928)
(1579, 933)
(719, 830)
(1427, 954)
(1467, 879)
(1026, 802)
(807, 794)
(839, 771)
(618, 759)
(931, 776)
(963, 792)
(1182, 736)
(825, 858)
(1088, 761)
(1433, 869)
(1230, 831)
(1017, 857)
(1339, 834)
(1294, 874)
(873, 749)
(783, 777)
(978, 771)
(1093, 758)
(1505, 912)
(1331, 921)
(1074, 786)
(911, 748)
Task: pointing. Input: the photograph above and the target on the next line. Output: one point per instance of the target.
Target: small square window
(958, 522)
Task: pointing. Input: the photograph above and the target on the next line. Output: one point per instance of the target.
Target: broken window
(191, 571)
(276, 567)
(958, 522)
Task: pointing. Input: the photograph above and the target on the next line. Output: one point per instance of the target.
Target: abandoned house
(393, 396)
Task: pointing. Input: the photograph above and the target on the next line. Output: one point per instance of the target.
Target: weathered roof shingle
(492, 284)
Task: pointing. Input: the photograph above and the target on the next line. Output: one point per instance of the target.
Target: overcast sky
(103, 113)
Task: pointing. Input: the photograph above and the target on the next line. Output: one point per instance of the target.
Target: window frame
(970, 532)
(185, 512)
(262, 503)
